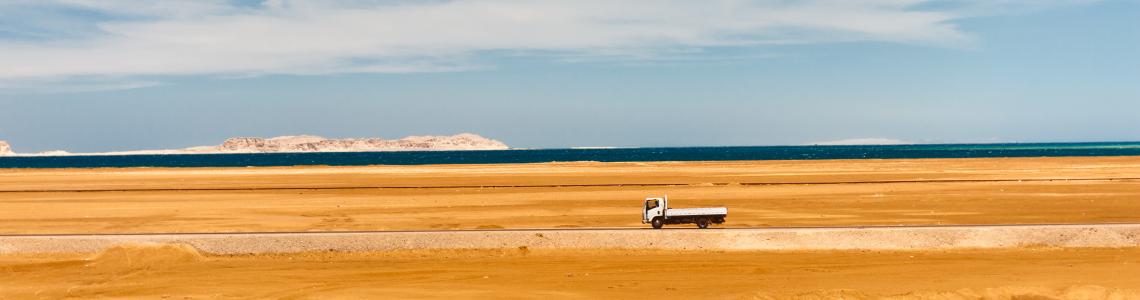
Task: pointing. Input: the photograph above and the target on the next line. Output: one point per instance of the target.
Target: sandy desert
(568, 196)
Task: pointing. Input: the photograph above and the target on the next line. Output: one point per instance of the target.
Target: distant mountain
(309, 143)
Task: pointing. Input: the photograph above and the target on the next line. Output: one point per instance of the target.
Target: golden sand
(570, 195)
(181, 273)
(758, 194)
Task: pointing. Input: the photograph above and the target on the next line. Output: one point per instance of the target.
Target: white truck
(658, 213)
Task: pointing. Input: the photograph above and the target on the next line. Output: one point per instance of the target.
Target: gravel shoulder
(783, 239)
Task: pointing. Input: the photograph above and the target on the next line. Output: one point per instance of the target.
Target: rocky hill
(308, 143)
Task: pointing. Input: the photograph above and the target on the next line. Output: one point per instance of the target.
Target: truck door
(652, 209)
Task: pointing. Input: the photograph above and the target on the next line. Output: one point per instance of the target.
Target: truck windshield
(650, 204)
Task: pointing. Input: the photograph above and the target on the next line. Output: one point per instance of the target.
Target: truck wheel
(703, 223)
(657, 223)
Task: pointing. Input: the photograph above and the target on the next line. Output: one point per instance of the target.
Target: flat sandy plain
(573, 195)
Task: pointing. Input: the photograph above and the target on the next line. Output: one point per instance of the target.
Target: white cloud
(72, 85)
(163, 9)
(157, 38)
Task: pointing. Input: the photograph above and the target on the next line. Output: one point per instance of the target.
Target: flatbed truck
(657, 213)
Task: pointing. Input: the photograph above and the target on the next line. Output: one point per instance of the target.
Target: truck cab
(654, 208)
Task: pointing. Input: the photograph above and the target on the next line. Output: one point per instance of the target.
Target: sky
(112, 75)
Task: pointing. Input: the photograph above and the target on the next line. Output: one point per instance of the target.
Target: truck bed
(704, 211)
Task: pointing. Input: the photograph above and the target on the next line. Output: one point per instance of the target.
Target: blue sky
(88, 76)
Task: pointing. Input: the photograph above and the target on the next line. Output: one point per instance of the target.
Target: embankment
(779, 239)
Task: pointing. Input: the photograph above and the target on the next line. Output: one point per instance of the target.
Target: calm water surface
(563, 155)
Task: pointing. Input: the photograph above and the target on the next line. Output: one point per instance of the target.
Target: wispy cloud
(72, 85)
(132, 39)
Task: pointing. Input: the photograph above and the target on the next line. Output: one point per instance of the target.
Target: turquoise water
(604, 155)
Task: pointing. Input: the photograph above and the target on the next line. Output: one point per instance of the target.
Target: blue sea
(566, 155)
